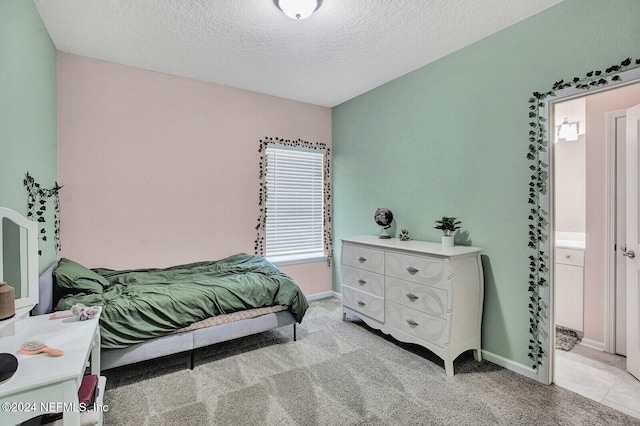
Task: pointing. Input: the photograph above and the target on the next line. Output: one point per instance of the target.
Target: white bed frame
(40, 294)
(192, 340)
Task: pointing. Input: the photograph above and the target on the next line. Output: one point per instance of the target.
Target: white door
(632, 250)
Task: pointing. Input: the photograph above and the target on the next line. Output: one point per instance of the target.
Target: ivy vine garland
(538, 185)
(37, 198)
(327, 213)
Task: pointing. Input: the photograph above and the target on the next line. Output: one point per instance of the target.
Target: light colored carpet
(337, 373)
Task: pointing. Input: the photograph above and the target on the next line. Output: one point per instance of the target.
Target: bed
(150, 313)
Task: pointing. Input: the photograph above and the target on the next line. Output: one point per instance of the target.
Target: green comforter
(145, 303)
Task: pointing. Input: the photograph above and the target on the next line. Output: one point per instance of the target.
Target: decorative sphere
(383, 217)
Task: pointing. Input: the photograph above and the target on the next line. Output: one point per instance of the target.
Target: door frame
(610, 265)
(546, 371)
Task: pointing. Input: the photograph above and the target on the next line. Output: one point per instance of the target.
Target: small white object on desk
(79, 311)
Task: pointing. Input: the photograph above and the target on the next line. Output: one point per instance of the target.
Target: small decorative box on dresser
(416, 291)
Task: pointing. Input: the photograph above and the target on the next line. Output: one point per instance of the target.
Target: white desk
(43, 383)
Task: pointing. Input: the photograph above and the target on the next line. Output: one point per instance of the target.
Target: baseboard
(599, 346)
(516, 367)
(324, 295)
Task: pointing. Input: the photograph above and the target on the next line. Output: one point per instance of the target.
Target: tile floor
(599, 376)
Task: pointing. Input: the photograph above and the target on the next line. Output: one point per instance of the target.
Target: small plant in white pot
(448, 225)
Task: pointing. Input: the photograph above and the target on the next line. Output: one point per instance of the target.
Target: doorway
(588, 180)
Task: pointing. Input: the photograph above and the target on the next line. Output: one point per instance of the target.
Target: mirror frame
(31, 228)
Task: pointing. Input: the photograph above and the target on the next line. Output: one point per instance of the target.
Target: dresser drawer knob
(412, 270)
(412, 322)
(568, 256)
(412, 296)
(362, 259)
(361, 281)
(361, 303)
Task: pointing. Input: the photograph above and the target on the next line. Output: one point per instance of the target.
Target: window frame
(328, 194)
(319, 191)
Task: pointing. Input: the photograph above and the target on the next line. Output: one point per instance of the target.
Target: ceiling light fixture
(298, 9)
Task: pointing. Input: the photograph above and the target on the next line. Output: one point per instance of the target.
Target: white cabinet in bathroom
(569, 288)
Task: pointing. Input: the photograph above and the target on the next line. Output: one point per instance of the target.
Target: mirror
(19, 256)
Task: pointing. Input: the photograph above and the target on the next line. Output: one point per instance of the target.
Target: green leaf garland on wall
(37, 197)
(538, 186)
(327, 214)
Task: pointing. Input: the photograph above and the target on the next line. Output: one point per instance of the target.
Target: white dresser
(416, 291)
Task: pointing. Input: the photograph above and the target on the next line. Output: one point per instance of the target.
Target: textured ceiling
(344, 49)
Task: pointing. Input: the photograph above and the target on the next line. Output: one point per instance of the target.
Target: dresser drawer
(364, 303)
(570, 257)
(423, 298)
(363, 258)
(362, 280)
(416, 323)
(418, 269)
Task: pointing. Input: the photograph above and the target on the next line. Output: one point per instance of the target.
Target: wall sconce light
(567, 131)
(298, 9)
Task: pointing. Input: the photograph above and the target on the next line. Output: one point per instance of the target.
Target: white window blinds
(294, 201)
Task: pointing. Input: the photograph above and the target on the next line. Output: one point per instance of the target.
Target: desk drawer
(418, 269)
(423, 298)
(363, 258)
(360, 279)
(364, 303)
(418, 324)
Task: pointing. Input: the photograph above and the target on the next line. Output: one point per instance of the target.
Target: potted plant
(447, 225)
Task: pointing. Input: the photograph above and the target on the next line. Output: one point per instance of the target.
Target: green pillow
(70, 277)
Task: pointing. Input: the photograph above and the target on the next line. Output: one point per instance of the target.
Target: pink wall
(160, 170)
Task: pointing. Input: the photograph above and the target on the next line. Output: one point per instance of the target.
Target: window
(294, 202)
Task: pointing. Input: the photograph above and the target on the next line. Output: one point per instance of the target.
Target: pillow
(70, 277)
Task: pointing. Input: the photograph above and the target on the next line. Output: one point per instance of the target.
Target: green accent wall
(451, 139)
(28, 129)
